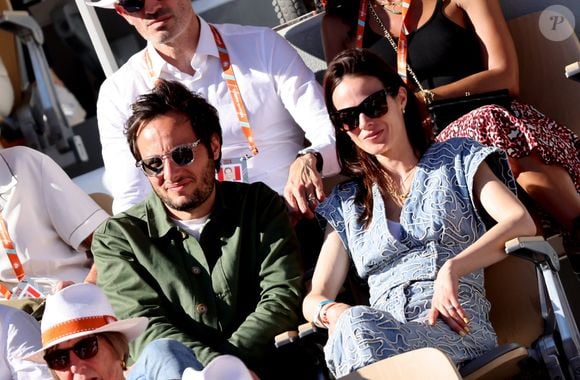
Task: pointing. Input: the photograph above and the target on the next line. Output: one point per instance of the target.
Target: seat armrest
(285, 338)
(499, 352)
(535, 249)
(306, 329)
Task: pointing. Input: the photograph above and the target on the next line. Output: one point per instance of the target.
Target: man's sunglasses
(375, 105)
(132, 5)
(181, 155)
(85, 349)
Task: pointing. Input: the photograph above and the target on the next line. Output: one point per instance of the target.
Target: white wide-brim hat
(79, 310)
(224, 367)
(109, 4)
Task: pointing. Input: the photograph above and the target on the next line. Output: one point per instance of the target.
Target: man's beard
(200, 194)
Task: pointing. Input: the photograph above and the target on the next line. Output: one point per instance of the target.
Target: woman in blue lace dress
(411, 221)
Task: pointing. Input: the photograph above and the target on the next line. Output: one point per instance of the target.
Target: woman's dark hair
(172, 96)
(355, 162)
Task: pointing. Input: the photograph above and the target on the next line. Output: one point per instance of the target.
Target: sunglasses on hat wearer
(84, 349)
(181, 155)
(373, 106)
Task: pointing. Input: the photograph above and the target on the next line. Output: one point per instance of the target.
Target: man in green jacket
(214, 265)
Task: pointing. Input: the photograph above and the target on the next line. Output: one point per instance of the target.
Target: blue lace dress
(438, 220)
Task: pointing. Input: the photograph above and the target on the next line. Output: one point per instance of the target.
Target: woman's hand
(445, 303)
(333, 314)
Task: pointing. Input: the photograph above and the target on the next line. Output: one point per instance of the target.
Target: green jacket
(149, 267)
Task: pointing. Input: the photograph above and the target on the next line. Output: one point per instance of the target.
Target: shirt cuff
(319, 159)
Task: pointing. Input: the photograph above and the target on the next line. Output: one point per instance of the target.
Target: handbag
(445, 111)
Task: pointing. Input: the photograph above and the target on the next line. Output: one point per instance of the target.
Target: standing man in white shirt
(277, 92)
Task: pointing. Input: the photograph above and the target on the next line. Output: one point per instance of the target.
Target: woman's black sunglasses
(375, 105)
(85, 349)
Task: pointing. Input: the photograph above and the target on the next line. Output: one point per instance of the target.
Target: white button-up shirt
(283, 100)
(47, 216)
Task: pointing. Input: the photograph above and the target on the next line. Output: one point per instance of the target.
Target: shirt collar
(157, 62)
(206, 46)
(7, 178)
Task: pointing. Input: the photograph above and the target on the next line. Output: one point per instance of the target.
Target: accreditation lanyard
(360, 24)
(402, 44)
(233, 88)
(10, 251)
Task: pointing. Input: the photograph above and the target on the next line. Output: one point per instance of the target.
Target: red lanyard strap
(402, 44)
(401, 49)
(360, 25)
(10, 250)
(5, 292)
(13, 258)
(234, 89)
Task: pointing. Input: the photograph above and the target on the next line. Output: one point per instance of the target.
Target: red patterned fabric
(518, 133)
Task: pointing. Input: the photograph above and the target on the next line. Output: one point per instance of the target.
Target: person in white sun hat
(83, 339)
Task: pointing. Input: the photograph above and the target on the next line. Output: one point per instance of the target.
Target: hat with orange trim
(79, 310)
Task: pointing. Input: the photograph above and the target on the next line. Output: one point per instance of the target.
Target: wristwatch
(317, 155)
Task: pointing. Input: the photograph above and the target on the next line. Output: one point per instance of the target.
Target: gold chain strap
(394, 45)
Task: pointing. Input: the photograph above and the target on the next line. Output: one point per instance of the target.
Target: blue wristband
(316, 317)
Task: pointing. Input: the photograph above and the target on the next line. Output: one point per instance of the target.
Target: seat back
(543, 83)
(512, 288)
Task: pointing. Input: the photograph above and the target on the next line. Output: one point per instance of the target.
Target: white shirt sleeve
(73, 224)
(21, 334)
(302, 96)
(128, 184)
